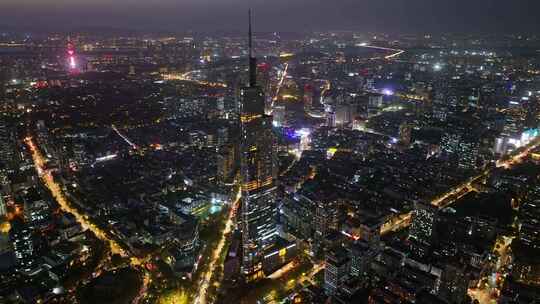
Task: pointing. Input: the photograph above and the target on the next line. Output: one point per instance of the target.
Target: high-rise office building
(405, 133)
(23, 245)
(279, 115)
(361, 254)
(343, 115)
(308, 97)
(222, 136)
(226, 163)
(3, 81)
(7, 153)
(421, 232)
(336, 270)
(463, 149)
(423, 222)
(3, 208)
(375, 103)
(529, 233)
(258, 174)
(331, 119)
(468, 155)
(532, 109)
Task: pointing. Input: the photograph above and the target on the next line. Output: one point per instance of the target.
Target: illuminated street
(56, 190)
(399, 222)
(280, 285)
(143, 289)
(209, 277)
(280, 84)
(58, 194)
(312, 273)
(393, 55)
(188, 76)
(396, 223)
(127, 140)
(283, 270)
(294, 279)
(489, 287)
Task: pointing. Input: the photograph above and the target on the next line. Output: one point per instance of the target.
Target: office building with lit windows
(422, 230)
(258, 174)
(336, 272)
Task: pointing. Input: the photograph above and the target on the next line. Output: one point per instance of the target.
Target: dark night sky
(484, 16)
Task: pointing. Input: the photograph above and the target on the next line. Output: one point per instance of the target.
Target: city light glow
(188, 165)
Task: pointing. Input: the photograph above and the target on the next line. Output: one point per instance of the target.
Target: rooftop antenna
(252, 60)
(250, 34)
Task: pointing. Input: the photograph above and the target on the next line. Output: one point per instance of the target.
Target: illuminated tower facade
(258, 174)
(71, 59)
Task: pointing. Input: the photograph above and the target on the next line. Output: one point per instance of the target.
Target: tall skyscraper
(405, 133)
(464, 149)
(7, 152)
(72, 61)
(308, 97)
(423, 222)
(337, 265)
(23, 245)
(258, 174)
(532, 110)
(3, 209)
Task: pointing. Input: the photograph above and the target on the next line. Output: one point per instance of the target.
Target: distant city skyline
(350, 151)
(415, 16)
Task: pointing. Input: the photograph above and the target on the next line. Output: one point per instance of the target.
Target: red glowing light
(72, 63)
(41, 84)
(263, 66)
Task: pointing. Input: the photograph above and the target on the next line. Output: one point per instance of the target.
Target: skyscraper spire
(252, 60)
(250, 34)
(257, 172)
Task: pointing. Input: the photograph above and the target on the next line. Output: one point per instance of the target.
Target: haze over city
(485, 16)
(265, 152)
